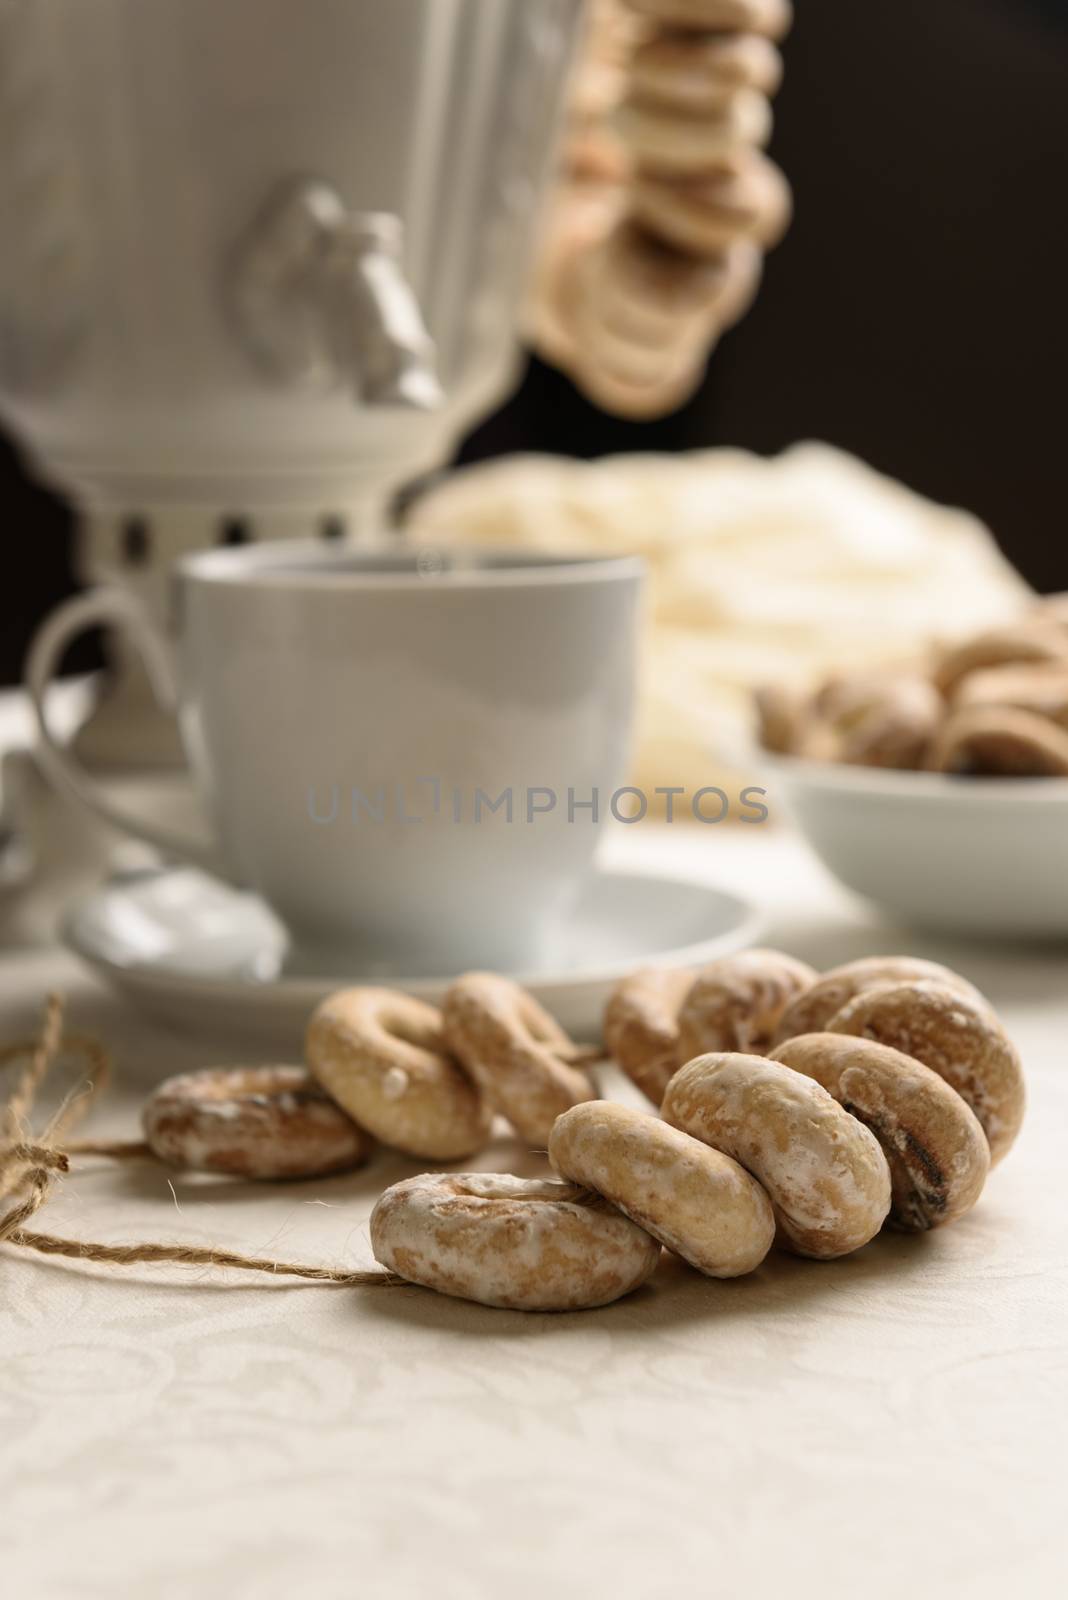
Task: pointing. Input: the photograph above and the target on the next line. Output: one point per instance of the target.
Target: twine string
(30, 1163)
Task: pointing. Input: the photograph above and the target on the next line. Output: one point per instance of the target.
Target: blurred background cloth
(914, 314)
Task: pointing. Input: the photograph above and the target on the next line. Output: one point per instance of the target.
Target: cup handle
(104, 608)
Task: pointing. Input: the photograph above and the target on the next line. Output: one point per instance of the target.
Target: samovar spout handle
(319, 296)
(392, 355)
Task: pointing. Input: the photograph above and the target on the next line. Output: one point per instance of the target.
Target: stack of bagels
(669, 202)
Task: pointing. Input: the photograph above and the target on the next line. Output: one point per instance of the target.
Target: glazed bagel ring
(736, 1003)
(1040, 689)
(648, 290)
(527, 1244)
(381, 1056)
(641, 402)
(665, 141)
(514, 1051)
(689, 71)
(812, 1011)
(824, 1172)
(575, 244)
(697, 1201)
(641, 1026)
(1027, 643)
(771, 18)
(252, 1122)
(730, 289)
(1000, 740)
(745, 198)
(956, 1036)
(934, 1146)
(783, 718)
(881, 722)
(633, 361)
(744, 267)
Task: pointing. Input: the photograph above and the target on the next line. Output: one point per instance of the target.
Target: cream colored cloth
(759, 570)
(886, 1425)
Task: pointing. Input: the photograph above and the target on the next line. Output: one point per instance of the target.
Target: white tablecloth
(887, 1425)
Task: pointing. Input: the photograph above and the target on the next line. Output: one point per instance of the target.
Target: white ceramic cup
(353, 720)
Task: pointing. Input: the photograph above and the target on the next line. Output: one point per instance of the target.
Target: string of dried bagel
(668, 201)
(794, 1107)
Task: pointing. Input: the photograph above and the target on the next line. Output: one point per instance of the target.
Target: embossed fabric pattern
(810, 1429)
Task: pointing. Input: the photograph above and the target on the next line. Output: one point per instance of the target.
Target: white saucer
(199, 954)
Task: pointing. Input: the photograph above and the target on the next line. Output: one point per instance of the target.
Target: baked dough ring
(812, 1011)
(999, 741)
(641, 1026)
(697, 1201)
(680, 339)
(956, 1036)
(662, 140)
(736, 1003)
(746, 197)
(516, 1053)
(771, 18)
(382, 1057)
(783, 717)
(528, 1244)
(1034, 640)
(639, 362)
(690, 71)
(745, 268)
(1041, 689)
(823, 1170)
(935, 1148)
(252, 1122)
(647, 289)
(640, 402)
(584, 216)
(880, 721)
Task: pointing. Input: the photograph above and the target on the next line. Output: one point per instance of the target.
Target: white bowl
(987, 857)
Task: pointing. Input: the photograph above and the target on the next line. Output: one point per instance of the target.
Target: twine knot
(30, 1163)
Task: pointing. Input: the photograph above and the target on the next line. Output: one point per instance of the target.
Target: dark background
(914, 314)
